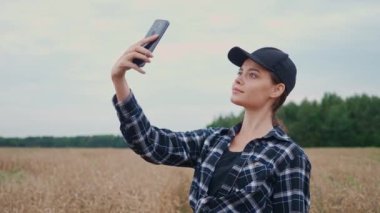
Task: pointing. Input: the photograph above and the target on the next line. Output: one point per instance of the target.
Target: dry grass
(117, 180)
(345, 180)
(88, 180)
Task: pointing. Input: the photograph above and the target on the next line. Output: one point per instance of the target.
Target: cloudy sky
(56, 57)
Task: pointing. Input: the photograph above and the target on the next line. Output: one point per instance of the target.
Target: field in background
(118, 180)
(345, 179)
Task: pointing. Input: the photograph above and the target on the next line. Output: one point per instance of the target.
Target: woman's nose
(239, 79)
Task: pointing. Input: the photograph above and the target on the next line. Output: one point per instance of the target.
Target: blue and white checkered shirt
(272, 174)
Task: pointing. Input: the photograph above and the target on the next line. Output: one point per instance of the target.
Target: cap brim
(237, 56)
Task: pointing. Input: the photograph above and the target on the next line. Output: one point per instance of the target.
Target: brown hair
(277, 104)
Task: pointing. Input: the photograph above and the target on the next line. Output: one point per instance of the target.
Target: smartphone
(159, 27)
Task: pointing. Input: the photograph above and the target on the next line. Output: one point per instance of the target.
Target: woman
(251, 167)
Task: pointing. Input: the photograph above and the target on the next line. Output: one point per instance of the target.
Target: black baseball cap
(272, 59)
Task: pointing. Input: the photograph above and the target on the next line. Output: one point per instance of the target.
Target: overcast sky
(56, 56)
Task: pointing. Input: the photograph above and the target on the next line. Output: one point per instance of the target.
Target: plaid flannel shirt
(272, 174)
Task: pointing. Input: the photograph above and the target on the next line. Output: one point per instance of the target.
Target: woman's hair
(277, 103)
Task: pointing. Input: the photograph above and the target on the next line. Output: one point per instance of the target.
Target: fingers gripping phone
(159, 27)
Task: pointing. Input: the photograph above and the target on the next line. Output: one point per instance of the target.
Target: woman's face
(253, 87)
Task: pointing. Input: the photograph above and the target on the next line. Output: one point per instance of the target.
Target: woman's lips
(236, 90)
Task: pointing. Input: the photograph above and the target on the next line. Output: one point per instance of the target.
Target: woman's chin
(236, 101)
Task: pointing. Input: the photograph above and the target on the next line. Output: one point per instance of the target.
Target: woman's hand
(125, 63)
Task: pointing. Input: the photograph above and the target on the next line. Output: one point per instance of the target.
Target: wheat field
(118, 180)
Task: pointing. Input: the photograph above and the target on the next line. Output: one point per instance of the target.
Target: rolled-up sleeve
(158, 145)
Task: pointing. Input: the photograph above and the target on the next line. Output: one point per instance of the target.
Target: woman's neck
(256, 123)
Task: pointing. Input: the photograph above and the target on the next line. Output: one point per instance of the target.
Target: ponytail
(278, 122)
(277, 104)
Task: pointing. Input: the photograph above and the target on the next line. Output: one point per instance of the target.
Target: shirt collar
(277, 132)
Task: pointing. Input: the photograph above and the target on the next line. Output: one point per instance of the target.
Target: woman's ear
(277, 90)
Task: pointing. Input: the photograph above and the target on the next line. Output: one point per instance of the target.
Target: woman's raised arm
(155, 145)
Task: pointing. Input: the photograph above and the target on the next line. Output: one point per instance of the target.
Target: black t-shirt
(222, 168)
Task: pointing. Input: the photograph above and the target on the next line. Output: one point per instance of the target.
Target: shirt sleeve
(158, 145)
(292, 190)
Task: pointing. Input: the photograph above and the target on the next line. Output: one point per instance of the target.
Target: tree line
(331, 122)
(77, 141)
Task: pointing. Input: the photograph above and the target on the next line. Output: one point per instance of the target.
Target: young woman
(251, 167)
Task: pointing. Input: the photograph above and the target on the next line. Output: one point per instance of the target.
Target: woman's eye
(252, 75)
